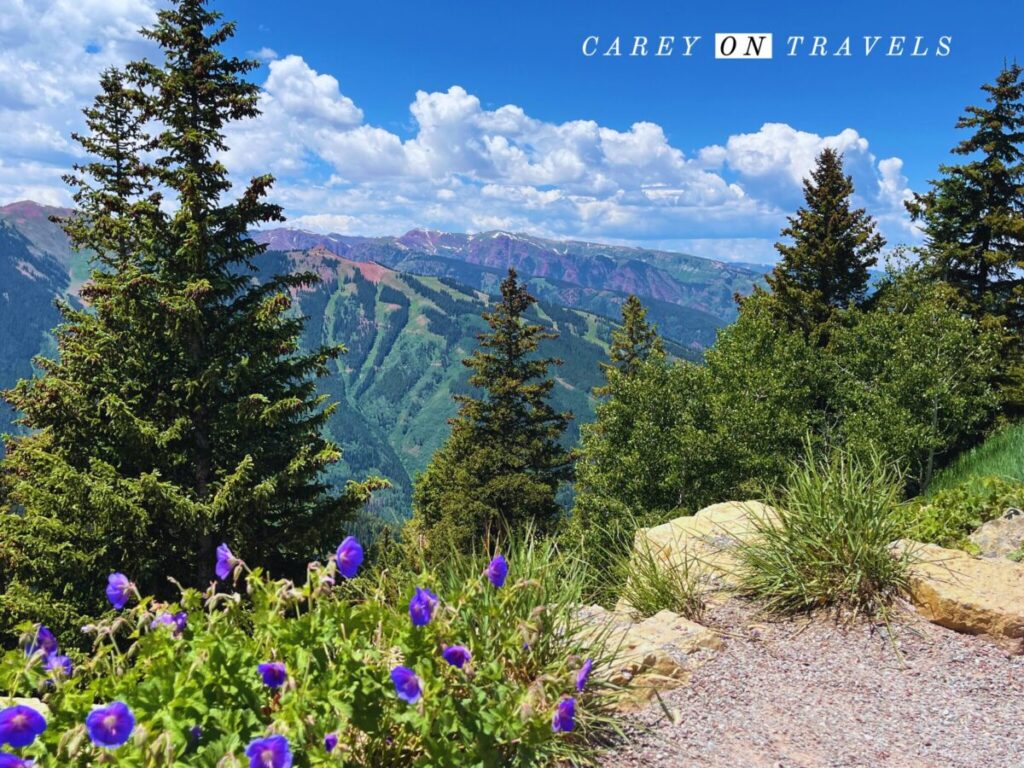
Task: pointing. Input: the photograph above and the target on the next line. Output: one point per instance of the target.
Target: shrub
(949, 516)
(830, 545)
(472, 670)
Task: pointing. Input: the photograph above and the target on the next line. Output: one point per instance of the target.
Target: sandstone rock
(651, 655)
(708, 538)
(1001, 537)
(969, 594)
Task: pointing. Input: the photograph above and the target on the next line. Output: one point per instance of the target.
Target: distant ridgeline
(408, 310)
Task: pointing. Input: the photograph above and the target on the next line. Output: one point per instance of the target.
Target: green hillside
(29, 283)
(406, 338)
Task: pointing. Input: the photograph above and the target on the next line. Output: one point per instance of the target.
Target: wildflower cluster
(329, 673)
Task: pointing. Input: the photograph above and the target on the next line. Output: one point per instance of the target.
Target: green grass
(618, 568)
(653, 585)
(829, 548)
(1001, 455)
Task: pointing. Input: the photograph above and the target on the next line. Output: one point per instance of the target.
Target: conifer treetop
(825, 266)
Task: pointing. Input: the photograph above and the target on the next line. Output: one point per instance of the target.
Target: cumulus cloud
(51, 54)
(461, 167)
(467, 167)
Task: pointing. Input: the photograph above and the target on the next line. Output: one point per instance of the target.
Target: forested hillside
(406, 338)
(688, 297)
(406, 329)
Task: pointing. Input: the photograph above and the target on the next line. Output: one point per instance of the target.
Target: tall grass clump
(829, 547)
(619, 569)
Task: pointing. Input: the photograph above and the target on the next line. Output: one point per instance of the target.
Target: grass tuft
(653, 585)
(830, 547)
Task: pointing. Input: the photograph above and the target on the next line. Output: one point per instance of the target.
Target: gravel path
(817, 695)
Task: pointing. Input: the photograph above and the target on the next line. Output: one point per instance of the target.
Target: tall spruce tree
(180, 411)
(825, 267)
(501, 467)
(973, 216)
(633, 341)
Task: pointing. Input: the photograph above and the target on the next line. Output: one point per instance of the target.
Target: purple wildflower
(273, 674)
(59, 664)
(330, 742)
(43, 640)
(19, 725)
(226, 562)
(407, 684)
(497, 571)
(564, 719)
(119, 590)
(584, 674)
(269, 752)
(110, 726)
(349, 557)
(7, 760)
(421, 607)
(177, 621)
(456, 655)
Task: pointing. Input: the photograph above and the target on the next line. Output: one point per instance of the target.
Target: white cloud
(264, 54)
(51, 54)
(778, 149)
(462, 167)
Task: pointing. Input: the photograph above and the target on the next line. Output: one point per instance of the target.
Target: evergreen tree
(973, 221)
(116, 207)
(180, 412)
(502, 465)
(825, 268)
(634, 341)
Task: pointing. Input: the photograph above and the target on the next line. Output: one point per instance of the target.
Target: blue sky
(380, 117)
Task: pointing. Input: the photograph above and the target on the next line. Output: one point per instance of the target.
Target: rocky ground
(815, 694)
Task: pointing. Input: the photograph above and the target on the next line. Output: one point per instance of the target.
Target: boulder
(1000, 537)
(651, 655)
(707, 539)
(966, 593)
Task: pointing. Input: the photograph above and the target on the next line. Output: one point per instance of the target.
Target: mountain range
(408, 310)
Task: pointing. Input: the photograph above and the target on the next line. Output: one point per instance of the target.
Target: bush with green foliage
(829, 547)
(672, 437)
(769, 387)
(947, 517)
(481, 666)
(915, 375)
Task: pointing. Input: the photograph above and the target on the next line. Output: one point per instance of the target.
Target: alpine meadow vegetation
(480, 663)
